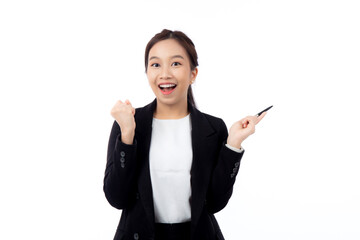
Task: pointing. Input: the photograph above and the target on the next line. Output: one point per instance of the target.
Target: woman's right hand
(123, 113)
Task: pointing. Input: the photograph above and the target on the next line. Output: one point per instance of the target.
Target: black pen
(263, 111)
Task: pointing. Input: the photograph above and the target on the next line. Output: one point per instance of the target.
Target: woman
(169, 166)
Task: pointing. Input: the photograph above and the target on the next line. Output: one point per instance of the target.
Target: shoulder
(215, 122)
(211, 124)
(144, 110)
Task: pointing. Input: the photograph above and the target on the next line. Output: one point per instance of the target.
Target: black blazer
(127, 183)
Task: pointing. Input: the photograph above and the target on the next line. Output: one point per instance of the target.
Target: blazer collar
(199, 123)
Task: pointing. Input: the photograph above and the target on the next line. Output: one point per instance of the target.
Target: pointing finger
(260, 117)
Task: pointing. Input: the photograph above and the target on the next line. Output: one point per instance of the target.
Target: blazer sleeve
(224, 173)
(120, 171)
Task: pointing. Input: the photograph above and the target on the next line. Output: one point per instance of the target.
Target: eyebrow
(175, 56)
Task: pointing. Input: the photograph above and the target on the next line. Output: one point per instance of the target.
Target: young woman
(169, 166)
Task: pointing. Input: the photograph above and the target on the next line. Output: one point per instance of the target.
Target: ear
(194, 73)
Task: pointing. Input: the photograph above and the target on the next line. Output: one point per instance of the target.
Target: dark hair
(185, 42)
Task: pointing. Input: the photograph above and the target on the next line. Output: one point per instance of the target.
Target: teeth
(167, 85)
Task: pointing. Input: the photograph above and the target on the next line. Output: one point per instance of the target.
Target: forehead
(167, 48)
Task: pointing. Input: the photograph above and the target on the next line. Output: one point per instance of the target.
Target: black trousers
(177, 231)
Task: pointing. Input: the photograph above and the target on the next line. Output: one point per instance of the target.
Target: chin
(167, 101)
(170, 101)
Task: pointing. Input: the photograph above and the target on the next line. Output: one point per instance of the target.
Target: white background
(63, 64)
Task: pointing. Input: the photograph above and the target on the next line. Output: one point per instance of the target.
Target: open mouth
(167, 88)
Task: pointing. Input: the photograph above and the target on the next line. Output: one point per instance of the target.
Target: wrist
(234, 143)
(127, 137)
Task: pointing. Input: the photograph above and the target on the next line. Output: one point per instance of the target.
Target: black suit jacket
(127, 183)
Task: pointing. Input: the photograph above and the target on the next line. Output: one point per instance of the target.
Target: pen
(263, 111)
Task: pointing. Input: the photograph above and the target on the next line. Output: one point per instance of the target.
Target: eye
(155, 65)
(175, 64)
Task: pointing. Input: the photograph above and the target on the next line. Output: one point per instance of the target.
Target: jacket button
(122, 165)
(122, 159)
(234, 170)
(136, 236)
(122, 153)
(232, 175)
(237, 164)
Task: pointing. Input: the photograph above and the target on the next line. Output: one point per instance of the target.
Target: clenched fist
(123, 113)
(240, 130)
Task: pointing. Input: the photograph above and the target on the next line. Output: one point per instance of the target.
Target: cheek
(151, 77)
(184, 76)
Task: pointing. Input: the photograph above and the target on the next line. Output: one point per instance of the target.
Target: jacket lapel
(203, 142)
(143, 136)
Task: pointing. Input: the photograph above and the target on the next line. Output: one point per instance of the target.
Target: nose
(165, 73)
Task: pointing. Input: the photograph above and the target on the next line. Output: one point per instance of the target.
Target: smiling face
(169, 72)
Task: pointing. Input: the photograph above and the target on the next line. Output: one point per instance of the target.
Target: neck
(165, 111)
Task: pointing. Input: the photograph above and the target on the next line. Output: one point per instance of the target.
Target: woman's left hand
(240, 130)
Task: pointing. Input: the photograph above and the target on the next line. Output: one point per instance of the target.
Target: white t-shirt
(170, 164)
